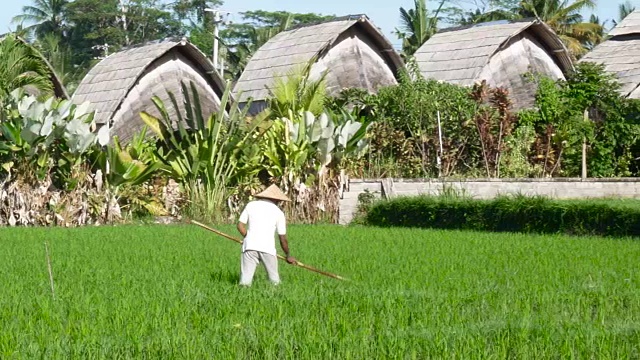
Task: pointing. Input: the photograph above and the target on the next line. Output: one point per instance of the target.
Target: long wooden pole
(299, 264)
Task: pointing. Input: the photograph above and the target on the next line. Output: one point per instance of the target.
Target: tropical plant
(585, 109)
(414, 108)
(200, 152)
(60, 58)
(485, 11)
(133, 164)
(417, 26)
(296, 92)
(46, 16)
(22, 68)
(54, 137)
(129, 171)
(300, 148)
(565, 18)
(624, 10)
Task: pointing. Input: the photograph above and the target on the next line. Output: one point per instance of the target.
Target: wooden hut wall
(165, 74)
(354, 61)
(521, 55)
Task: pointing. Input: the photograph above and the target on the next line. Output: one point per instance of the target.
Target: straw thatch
(59, 89)
(122, 85)
(352, 50)
(620, 54)
(498, 52)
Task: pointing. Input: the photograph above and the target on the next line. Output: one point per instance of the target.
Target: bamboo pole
(299, 264)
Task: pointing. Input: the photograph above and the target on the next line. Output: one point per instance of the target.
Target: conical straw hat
(273, 192)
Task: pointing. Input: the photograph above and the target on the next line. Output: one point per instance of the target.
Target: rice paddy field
(170, 292)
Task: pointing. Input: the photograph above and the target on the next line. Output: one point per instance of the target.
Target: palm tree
(417, 26)
(599, 35)
(22, 68)
(624, 10)
(59, 57)
(566, 20)
(46, 16)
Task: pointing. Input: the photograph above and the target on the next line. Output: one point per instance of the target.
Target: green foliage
(200, 152)
(611, 129)
(100, 22)
(564, 17)
(22, 68)
(365, 202)
(417, 26)
(194, 10)
(508, 214)
(60, 58)
(46, 17)
(297, 92)
(54, 138)
(515, 163)
(412, 108)
(301, 148)
(133, 165)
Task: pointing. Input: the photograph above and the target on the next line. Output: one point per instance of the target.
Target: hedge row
(508, 214)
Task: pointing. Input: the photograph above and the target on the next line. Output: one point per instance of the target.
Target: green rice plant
(171, 292)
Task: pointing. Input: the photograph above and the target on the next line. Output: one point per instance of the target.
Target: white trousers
(250, 260)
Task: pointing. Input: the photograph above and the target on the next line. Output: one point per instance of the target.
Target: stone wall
(559, 188)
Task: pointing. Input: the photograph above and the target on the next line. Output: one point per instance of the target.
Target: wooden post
(441, 151)
(48, 258)
(584, 148)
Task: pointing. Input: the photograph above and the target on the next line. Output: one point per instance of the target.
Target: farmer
(258, 222)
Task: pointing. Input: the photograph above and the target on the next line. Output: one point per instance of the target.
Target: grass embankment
(170, 292)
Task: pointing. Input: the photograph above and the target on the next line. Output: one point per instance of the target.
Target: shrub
(508, 214)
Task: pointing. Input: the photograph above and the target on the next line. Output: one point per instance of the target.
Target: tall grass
(170, 292)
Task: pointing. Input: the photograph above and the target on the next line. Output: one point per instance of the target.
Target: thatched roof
(628, 26)
(108, 84)
(499, 53)
(459, 55)
(296, 47)
(58, 87)
(620, 54)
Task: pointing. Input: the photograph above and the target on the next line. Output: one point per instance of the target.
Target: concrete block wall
(557, 188)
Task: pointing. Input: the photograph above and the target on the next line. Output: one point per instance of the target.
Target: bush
(508, 214)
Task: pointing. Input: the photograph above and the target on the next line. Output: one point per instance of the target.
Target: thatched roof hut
(498, 52)
(351, 49)
(122, 85)
(59, 89)
(620, 54)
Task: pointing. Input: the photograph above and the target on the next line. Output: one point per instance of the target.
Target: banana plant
(132, 165)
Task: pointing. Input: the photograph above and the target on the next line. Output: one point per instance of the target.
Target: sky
(383, 13)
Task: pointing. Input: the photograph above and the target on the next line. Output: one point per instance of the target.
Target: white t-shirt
(263, 218)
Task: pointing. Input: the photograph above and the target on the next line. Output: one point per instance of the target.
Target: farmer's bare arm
(285, 247)
(242, 228)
